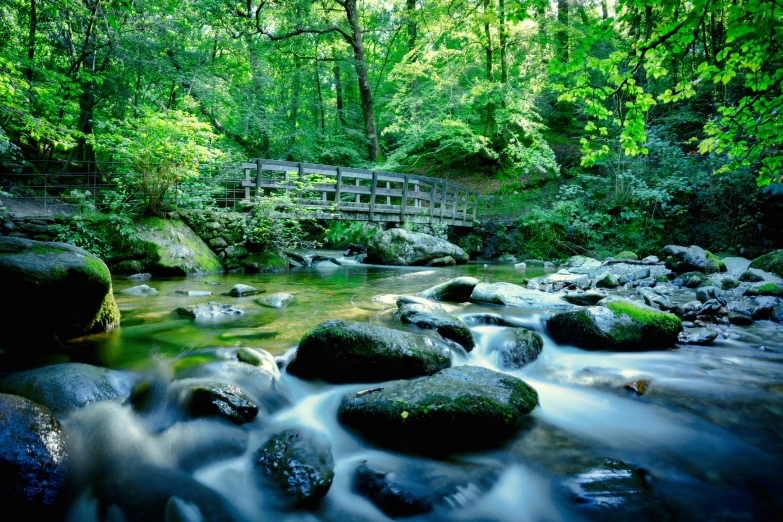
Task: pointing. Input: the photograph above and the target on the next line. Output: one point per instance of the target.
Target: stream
(703, 442)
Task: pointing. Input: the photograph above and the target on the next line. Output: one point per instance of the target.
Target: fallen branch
(631, 262)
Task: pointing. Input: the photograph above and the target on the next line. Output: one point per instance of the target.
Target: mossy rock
(714, 264)
(347, 351)
(516, 347)
(59, 291)
(616, 324)
(771, 289)
(175, 250)
(260, 262)
(691, 279)
(772, 262)
(728, 283)
(400, 247)
(627, 254)
(466, 407)
(750, 277)
(433, 316)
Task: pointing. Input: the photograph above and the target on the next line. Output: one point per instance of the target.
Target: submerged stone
(226, 400)
(298, 463)
(434, 317)
(346, 351)
(700, 335)
(139, 290)
(516, 347)
(240, 290)
(457, 290)
(278, 301)
(209, 310)
(458, 408)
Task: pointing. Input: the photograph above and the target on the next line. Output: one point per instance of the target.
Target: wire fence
(50, 187)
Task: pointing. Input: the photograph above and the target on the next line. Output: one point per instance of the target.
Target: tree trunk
(31, 41)
(504, 133)
(562, 33)
(489, 130)
(258, 102)
(363, 77)
(410, 13)
(604, 10)
(293, 113)
(320, 109)
(338, 87)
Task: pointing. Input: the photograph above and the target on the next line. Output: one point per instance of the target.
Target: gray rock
(59, 291)
(581, 264)
(318, 259)
(751, 276)
(736, 265)
(457, 290)
(583, 298)
(616, 324)
(210, 310)
(512, 295)
(567, 279)
(278, 300)
(240, 290)
(506, 259)
(218, 243)
(740, 319)
(34, 478)
(706, 293)
(65, 387)
(194, 293)
(297, 463)
(225, 400)
(139, 291)
(400, 247)
(691, 279)
(178, 250)
(642, 273)
(685, 259)
(699, 335)
(458, 408)
(257, 357)
(140, 277)
(654, 299)
(443, 261)
(493, 319)
(434, 317)
(607, 280)
(342, 351)
(516, 347)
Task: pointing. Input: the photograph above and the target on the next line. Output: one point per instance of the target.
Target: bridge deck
(343, 193)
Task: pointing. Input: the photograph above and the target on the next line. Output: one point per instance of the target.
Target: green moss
(772, 262)
(108, 316)
(627, 254)
(668, 324)
(772, 289)
(728, 283)
(714, 263)
(524, 397)
(662, 279)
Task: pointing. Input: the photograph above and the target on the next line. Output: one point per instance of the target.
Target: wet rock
(225, 400)
(706, 293)
(443, 261)
(751, 276)
(344, 351)
(581, 264)
(654, 299)
(33, 463)
(512, 295)
(770, 289)
(210, 310)
(397, 246)
(697, 336)
(194, 293)
(140, 277)
(521, 266)
(616, 324)
(178, 251)
(685, 259)
(567, 279)
(59, 292)
(740, 319)
(65, 387)
(457, 290)
(583, 298)
(299, 259)
(240, 290)
(763, 307)
(638, 386)
(354, 249)
(139, 291)
(776, 317)
(517, 347)
(642, 273)
(318, 259)
(493, 319)
(506, 259)
(299, 464)
(613, 488)
(690, 279)
(278, 300)
(771, 262)
(607, 280)
(736, 265)
(458, 408)
(434, 317)
(414, 488)
(256, 357)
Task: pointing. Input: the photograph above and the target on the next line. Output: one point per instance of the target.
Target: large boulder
(685, 259)
(298, 464)
(772, 262)
(435, 317)
(346, 351)
(458, 408)
(65, 387)
(33, 462)
(59, 291)
(616, 324)
(176, 250)
(567, 279)
(516, 347)
(581, 264)
(513, 295)
(457, 290)
(400, 247)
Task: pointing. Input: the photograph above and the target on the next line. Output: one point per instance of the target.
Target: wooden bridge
(343, 193)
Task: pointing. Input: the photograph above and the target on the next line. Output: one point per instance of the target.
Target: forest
(593, 125)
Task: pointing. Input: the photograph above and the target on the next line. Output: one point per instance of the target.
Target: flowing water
(707, 434)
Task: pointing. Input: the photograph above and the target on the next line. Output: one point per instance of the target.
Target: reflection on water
(707, 434)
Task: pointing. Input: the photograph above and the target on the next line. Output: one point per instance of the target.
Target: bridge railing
(345, 193)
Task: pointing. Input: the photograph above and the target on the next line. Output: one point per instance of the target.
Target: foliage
(272, 226)
(340, 234)
(107, 236)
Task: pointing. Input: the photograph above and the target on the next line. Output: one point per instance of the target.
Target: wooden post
(443, 199)
(301, 182)
(373, 190)
(358, 184)
(475, 204)
(259, 171)
(457, 190)
(337, 189)
(465, 210)
(388, 198)
(417, 201)
(433, 191)
(286, 181)
(404, 198)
